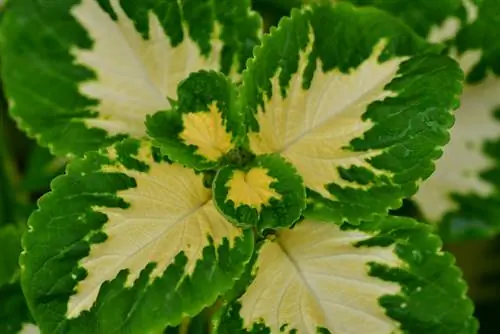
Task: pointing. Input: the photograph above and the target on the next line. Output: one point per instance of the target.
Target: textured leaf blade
(462, 194)
(353, 105)
(267, 193)
(386, 276)
(135, 236)
(88, 72)
(205, 125)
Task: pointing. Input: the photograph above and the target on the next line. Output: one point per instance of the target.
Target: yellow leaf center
(206, 131)
(252, 188)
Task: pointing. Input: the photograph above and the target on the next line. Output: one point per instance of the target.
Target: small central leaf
(252, 188)
(206, 131)
(267, 193)
(204, 127)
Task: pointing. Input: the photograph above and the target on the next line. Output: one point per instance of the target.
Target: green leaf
(126, 242)
(388, 275)
(204, 126)
(15, 317)
(435, 20)
(267, 193)
(10, 244)
(463, 194)
(88, 72)
(355, 101)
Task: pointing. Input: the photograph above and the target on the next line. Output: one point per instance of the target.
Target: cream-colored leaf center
(312, 128)
(170, 212)
(458, 170)
(252, 188)
(312, 276)
(134, 76)
(206, 131)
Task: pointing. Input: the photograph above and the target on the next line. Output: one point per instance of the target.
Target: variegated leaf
(126, 242)
(347, 97)
(89, 71)
(205, 125)
(463, 194)
(386, 276)
(267, 193)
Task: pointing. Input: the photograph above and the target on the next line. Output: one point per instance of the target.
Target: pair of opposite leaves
(352, 99)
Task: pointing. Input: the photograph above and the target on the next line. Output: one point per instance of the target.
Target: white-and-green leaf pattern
(88, 72)
(126, 235)
(355, 101)
(385, 276)
(273, 190)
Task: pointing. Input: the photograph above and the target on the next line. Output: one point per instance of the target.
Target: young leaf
(204, 126)
(267, 193)
(88, 72)
(348, 97)
(126, 242)
(385, 276)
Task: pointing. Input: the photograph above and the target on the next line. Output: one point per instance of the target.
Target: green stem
(184, 327)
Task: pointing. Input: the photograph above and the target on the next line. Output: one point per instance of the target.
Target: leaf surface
(126, 242)
(355, 101)
(267, 193)
(88, 72)
(463, 193)
(205, 125)
(385, 276)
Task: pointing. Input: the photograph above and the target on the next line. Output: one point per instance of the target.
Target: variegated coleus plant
(258, 189)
